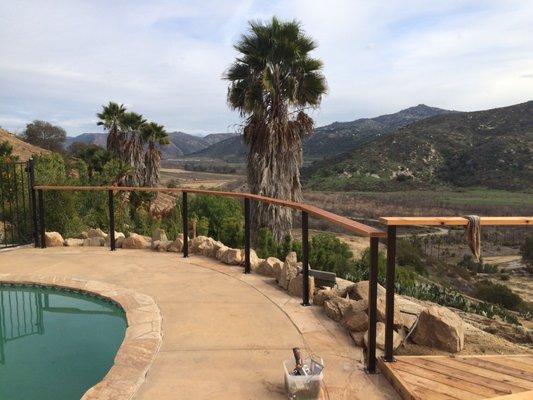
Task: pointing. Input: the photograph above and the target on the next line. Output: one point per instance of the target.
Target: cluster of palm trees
(135, 142)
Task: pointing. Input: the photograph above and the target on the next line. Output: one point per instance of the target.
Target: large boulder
(53, 239)
(232, 256)
(440, 328)
(355, 317)
(296, 286)
(221, 251)
(72, 242)
(96, 233)
(269, 267)
(177, 245)
(255, 261)
(337, 307)
(397, 338)
(159, 234)
(136, 241)
(207, 247)
(119, 238)
(161, 245)
(356, 321)
(291, 257)
(288, 272)
(359, 291)
(94, 241)
(322, 295)
(198, 241)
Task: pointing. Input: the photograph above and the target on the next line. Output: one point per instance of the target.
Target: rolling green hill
(492, 148)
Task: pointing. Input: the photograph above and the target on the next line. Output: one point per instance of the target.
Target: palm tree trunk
(135, 159)
(274, 171)
(153, 163)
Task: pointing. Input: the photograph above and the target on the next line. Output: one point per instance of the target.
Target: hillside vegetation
(491, 148)
(21, 149)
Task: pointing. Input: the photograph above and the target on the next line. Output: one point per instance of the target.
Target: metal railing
(372, 233)
(392, 223)
(15, 203)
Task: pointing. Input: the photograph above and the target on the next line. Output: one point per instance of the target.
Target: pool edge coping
(142, 338)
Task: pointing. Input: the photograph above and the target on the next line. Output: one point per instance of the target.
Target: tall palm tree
(155, 136)
(133, 149)
(110, 118)
(272, 83)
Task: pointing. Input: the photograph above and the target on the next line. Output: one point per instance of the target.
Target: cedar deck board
(449, 380)
(504, 387)
(455, 221)
(461, 378)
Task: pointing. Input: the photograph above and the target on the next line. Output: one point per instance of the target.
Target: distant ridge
(335, 138)
(181, 143)
(491, 148)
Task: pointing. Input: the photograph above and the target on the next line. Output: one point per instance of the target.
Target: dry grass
(21, 149)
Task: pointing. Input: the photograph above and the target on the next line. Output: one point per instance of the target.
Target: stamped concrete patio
(225, 333)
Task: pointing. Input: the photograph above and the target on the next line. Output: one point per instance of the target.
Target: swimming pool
(55, 344)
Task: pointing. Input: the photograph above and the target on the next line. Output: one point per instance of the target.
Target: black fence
(16, 199)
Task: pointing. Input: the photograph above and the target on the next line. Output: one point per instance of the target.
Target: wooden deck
(462, 377)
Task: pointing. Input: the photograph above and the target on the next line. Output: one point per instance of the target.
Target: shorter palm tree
(111, 119)
(133, 150)
(156, 136)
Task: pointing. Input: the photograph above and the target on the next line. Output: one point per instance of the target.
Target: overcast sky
(61, 60)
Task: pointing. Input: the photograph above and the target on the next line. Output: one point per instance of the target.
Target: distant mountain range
(492, 148)
(335, 138)
(181, 143)
(420, 146)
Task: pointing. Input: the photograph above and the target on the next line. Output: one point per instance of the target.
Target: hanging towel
(473, 235)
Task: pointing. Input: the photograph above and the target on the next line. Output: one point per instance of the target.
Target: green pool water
(54, 345)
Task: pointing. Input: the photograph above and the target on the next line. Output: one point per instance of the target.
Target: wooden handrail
(455, 221)
(346, 223)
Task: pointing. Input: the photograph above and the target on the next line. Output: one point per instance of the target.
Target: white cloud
(62, 59)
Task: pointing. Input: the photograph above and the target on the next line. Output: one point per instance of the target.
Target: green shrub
(268, 247)
(266, 244)
(328, 253)
(498, 294)
(410, 255)
(526, 251)
(224, 215)
(173, 223)
(476, 267)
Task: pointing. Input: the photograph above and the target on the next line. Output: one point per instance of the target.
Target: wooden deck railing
(392, 223)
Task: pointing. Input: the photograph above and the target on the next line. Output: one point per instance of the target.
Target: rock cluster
(436, 327)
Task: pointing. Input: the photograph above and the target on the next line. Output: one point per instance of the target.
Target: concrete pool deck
(225, 333)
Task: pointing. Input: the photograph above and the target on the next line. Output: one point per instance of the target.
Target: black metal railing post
(372, 305)
(3, 194)
(33, 199)
(41, 219)
(111, 207)
(305, 258)
(185, 218)
(247, 231)
(391, 271)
